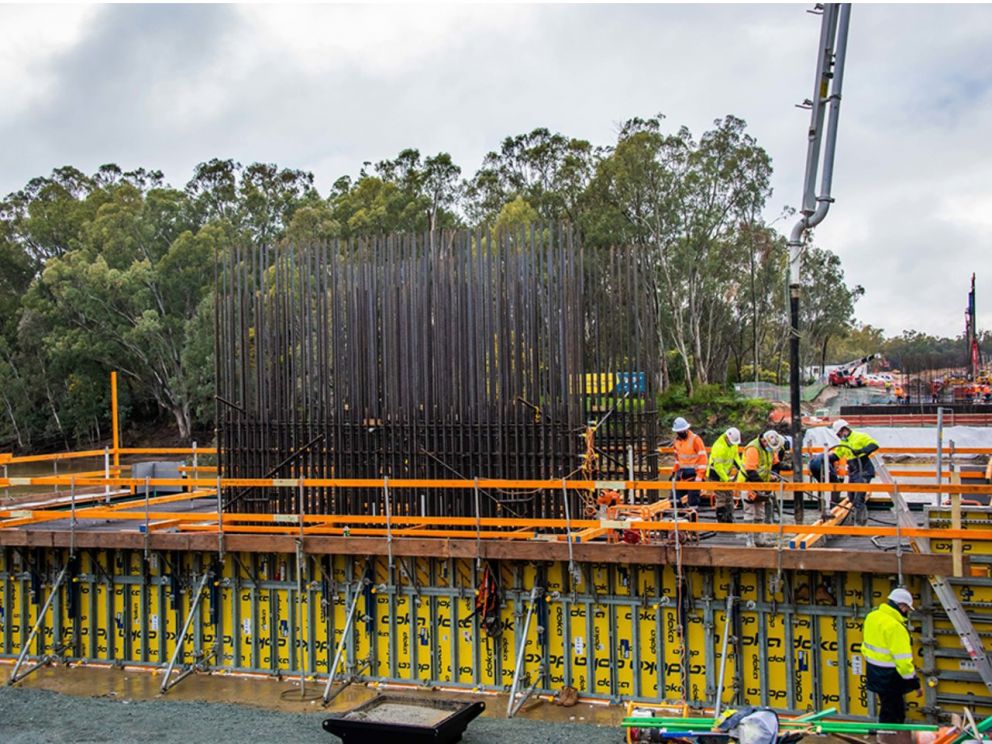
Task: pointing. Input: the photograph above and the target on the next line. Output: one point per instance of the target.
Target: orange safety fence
(10, 459)
(316, 523)
(498, 483)
(7, 458)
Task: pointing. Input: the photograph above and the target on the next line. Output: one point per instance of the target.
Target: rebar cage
(444, 355)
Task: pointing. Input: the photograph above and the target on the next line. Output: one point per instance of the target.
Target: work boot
(861, 515)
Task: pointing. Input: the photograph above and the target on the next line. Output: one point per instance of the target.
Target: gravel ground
(30, 716)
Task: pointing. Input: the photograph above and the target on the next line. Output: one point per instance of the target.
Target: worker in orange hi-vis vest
(757, 462)
(690, 460)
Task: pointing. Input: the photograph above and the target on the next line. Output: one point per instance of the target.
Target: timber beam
(818, 559)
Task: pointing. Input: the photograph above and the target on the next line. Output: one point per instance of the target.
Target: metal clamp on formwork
(517, 699)
(15, 676)
(194, 605)
(327, 696)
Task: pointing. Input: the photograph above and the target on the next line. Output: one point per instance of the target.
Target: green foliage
(514, 216)
(827, 306)
(115, 269)
(746, 373)
(910, 351)
(547, 170)
(711, 409)
(405, 195)
(691, 204)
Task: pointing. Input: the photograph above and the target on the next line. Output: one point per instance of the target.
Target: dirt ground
(104, 706)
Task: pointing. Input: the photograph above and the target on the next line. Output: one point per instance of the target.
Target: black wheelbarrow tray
(394, 718)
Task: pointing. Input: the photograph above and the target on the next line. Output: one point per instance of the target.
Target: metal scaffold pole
(824, 105)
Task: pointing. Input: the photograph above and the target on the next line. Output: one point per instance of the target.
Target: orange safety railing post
(115, 421)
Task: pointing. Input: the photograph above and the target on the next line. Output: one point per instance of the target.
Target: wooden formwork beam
(820, 559)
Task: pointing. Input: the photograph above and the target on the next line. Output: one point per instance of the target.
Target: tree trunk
(13, 421)
(181, 413)
(55, 414)
(689, 387)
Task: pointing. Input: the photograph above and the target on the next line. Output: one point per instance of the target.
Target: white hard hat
(680, 424)
(734, 435)
(901, 596)
(772, 440)
(838, 425)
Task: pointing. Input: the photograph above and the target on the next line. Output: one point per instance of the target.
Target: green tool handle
(815, 716)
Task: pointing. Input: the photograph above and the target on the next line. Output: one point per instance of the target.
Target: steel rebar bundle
(454, 355)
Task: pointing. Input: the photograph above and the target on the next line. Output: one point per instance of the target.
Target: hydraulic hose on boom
(825, 106)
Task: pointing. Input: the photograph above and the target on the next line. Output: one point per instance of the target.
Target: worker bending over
(889, 656)
(690, 459)
(724, 465)
(856, 447)
(759, 457)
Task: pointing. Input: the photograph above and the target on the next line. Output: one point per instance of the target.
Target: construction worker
(690, 459)
(816, 469)
(856, 448)
(899, 393)
(724, 464)
(757, 460)
(888, 652)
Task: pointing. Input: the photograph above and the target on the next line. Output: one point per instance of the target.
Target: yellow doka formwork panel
(617, 632)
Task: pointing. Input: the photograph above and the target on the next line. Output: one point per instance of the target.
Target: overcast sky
(326, 88)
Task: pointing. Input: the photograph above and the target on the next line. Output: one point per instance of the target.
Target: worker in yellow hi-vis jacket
(889, 656)
(724, 464)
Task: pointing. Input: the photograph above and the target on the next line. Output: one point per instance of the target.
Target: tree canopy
(114, 270)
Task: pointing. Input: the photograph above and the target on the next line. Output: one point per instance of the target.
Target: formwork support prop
(327, 697)
(513, 704)
(194, 605)
(718, 705)
(14, 676)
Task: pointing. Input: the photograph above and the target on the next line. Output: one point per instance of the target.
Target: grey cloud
(112, 91)
(917, 103)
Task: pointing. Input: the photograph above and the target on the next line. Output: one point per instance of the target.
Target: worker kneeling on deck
(856, 447)
(889, 655)
(690, 459)
(759, 457)
(724, 466)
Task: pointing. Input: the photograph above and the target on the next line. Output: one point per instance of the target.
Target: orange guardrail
(9, 459)
(498, 483)
(436, 526)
